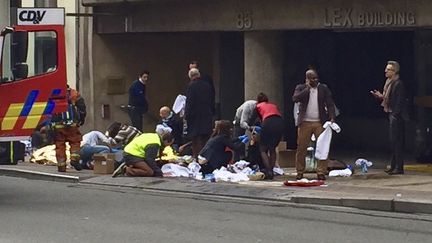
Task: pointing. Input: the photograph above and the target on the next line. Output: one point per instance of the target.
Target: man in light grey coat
(242, 119)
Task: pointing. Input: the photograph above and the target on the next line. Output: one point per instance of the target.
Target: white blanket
(324, 140)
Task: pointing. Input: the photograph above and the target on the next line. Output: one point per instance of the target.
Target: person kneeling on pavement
(218, 151)
(141, 153)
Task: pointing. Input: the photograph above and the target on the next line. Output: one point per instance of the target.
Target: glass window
(28, 54)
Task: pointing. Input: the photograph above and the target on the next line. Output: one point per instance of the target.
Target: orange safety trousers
(65, 134)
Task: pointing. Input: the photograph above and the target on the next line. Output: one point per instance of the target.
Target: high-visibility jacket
(137, 147)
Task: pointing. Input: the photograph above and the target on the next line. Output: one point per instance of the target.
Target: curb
(38, 175)
(366, 204)
(247, 192)
(386, 205)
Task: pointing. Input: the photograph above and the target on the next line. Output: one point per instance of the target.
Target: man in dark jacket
(137, 100)
(198, 111)
(207, 78)
(316, 107)
(394, 103)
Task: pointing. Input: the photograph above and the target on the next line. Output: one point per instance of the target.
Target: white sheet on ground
(223, 174)
(344, 173)
(174, 170)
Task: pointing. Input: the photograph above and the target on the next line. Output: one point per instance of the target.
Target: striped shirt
(126, 134)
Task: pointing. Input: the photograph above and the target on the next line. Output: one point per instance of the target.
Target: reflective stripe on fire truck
(11, 116)
(31, 110)
(35, 115)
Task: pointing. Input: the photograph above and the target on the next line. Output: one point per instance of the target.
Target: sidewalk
(410, 193)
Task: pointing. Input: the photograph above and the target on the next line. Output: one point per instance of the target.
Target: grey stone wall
(229, 15)
(4, 13)
(119, 58)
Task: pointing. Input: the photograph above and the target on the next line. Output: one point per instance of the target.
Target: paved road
(40, 211)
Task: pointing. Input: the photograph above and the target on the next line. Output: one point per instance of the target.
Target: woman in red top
(271, 133)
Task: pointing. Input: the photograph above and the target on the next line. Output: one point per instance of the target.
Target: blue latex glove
(257, 129)
(242, 137)
(245, 140)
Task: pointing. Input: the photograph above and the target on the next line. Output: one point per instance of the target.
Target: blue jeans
(87, 152)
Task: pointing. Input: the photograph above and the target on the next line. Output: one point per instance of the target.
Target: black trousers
(397, 137)
(241, 153)
(136, 119)
(198, 142)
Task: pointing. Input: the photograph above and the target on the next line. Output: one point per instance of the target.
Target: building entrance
(351, 64)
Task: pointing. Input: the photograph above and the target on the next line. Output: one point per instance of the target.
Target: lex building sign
(349, 18)
(40, 16)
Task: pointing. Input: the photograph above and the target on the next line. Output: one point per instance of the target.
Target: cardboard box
(103, 163)
(285, 157)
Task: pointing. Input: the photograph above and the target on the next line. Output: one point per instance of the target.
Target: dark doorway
(232, 73)
(351, 64)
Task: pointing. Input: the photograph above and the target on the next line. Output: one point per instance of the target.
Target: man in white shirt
(92, 143)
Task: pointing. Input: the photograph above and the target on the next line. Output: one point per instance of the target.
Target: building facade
(262, 46)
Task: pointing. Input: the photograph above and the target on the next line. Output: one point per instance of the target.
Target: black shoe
(321, 177)
(395, 172)
(270, 174)
(76, 165)
(388, 170)
(299, 176)
(267, 174)
(121, 170)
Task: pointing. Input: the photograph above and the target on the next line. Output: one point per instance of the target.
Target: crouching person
(141, 153)
(218, 151)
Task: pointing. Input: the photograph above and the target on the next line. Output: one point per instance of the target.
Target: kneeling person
(141, 153)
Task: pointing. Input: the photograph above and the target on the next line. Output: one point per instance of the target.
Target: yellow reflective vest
(138, 145)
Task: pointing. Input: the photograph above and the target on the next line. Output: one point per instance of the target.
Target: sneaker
(121, 170)
(299, 176)
(76, 165)
(388, 170)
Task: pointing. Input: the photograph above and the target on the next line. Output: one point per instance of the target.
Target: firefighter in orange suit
(66, 129)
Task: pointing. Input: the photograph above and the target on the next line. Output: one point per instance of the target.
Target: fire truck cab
(32, 71)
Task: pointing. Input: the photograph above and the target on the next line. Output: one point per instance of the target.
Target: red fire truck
(33, 71)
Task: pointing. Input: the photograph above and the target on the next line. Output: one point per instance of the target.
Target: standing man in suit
(198, 111)
(394, 103)
(137, 100)
(207, 78)
(315, 108)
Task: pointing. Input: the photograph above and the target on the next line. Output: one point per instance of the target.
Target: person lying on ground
(92, 143)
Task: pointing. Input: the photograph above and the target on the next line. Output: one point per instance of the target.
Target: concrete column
(85, 75)
(263, 53)
(423, 60)
(4, 13)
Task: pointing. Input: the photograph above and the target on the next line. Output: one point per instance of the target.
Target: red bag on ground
(303, 183)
